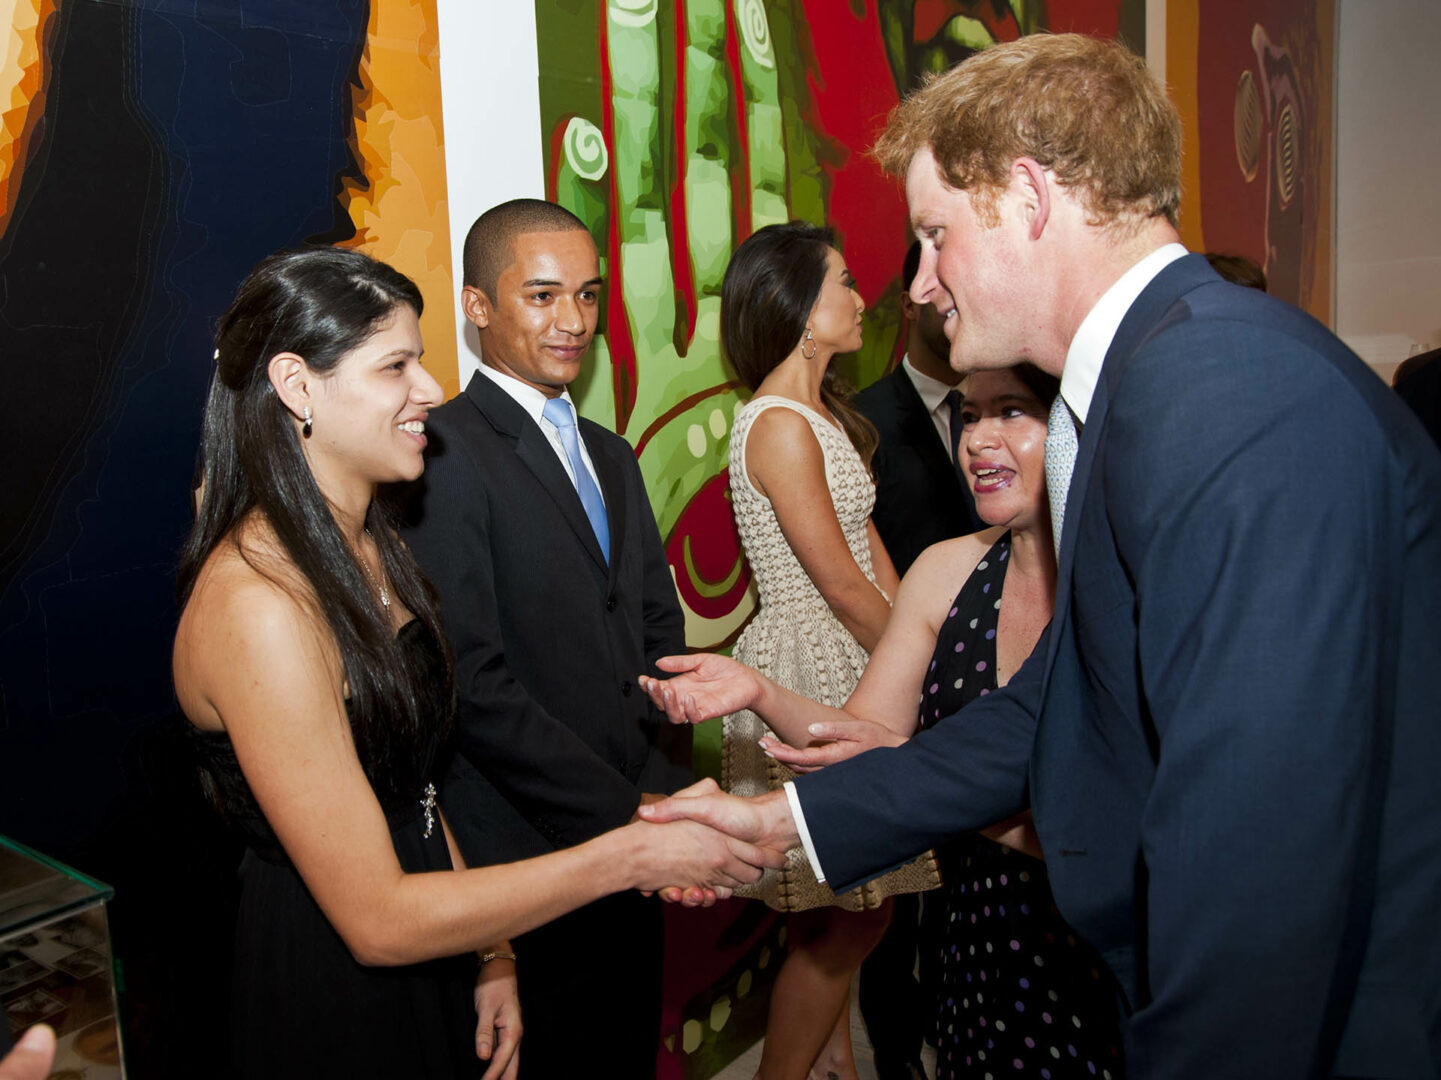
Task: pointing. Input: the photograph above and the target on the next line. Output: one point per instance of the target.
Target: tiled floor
(744, 1067)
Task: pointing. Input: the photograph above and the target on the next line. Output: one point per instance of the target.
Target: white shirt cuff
(805, 834)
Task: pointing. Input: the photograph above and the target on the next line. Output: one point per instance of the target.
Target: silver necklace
(379, 585)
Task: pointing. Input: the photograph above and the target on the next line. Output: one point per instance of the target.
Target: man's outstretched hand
(764, 821)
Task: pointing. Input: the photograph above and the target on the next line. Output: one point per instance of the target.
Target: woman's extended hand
(498, 1027)
(704, 686)
(836, 740)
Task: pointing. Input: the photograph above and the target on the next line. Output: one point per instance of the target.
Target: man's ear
(476, 306)
(908, 306)
(1031, 182)
(291, 379)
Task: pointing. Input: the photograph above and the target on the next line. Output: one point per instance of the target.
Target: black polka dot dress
(1019, 994)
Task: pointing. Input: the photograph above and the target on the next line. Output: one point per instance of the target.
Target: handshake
(698, 845)
(733, 839)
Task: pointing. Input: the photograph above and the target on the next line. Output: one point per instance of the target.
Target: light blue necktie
(1061, 443)
(558, 412)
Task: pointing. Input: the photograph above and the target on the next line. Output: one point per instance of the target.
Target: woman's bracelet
(496, 954)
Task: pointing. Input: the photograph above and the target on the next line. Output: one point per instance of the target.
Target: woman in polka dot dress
(1019, 995)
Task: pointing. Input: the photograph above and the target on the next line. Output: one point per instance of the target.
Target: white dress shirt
(1098, 329)
(1078, 385)
(533, 402)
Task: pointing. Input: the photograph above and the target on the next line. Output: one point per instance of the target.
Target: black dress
(1019, 994)
(303, 1006)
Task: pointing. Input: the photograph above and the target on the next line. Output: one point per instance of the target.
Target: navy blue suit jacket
(1229, 734)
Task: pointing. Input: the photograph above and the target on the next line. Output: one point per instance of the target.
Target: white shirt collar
(931, 390)
(526, 396)
(1098, 329)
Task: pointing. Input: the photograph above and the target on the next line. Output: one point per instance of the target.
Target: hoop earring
(306, 427)
(808, 355)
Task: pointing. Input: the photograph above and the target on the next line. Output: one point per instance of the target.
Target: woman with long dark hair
(802, 494)
(310, 659)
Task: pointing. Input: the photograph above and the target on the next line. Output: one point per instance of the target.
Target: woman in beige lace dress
(802, 490)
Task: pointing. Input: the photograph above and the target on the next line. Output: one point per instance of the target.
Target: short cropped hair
(1084, 108)
(488, 244)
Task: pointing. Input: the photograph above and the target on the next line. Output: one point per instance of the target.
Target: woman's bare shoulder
(781, 419)
(954, 559)
(246, 615)
(248, 573)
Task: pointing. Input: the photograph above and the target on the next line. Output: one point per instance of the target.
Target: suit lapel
(534, 451)
(1146, 316)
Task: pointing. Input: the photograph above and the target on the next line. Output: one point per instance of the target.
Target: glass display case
(55, 963)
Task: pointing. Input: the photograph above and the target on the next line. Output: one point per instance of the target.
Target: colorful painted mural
(1255, 85)
(397, 201)
(23, 74)
(675, 129)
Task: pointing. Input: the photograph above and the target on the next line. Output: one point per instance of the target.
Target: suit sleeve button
(625, 688)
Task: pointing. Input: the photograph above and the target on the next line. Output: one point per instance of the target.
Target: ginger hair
(1085, 109)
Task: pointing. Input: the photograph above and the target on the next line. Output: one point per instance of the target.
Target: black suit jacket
(920, 499)
(1229, 734)
(555, 741)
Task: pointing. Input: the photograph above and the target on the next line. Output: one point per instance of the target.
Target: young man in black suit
(535, 527)
(1228, 734)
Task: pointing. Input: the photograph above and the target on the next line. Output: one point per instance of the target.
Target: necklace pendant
(378, 585)
(428, 803)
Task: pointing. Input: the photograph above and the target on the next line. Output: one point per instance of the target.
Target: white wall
(491, 101)
(1388, 178)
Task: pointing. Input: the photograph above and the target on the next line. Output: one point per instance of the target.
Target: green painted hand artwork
(674, 131)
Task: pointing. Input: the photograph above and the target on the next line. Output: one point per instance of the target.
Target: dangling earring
(808, 355)
(306, 427)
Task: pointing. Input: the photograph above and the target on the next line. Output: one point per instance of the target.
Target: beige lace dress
(797, 640)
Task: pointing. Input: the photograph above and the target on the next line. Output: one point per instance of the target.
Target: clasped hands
(725, 841)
